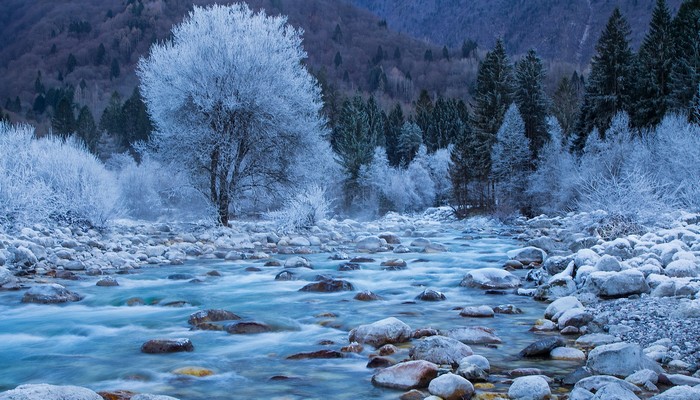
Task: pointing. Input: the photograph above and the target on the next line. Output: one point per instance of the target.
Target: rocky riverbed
(624, 300)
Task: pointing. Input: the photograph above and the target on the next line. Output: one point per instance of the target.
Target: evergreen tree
(337, 60)
(465, 191)
(424, 110)
(112, 119)
(397, 53)
(445, 53)
(137, 125)
(410, 140)
(63, 121)
(685, 72)
(375, 118)
(38, 85)
(87, 130)
(100, 54)
(392, 131)
(468, 48)
(446, 124)
(428, 56)
(71, 63)
(114, 70)
(4, 117)
(565, 104)
(655, 61)
(610, 84)
(351, 138)
(531, 100)
(494, 94)
(510, 164)
(378, 56)
(337, 34)
(39, 105)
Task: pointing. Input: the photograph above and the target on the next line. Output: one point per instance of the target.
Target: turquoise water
(96, 342)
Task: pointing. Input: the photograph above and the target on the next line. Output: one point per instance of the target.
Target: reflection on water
(96, 342)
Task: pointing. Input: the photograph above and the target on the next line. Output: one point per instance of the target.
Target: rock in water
(619, 359)
(366, 295)
(316, 354)
(50, 294)
(159, 346)
(49, 392)
(451, 387)
(107, 281)
(328, 286)
(241, 328)
(385, 331)
(490, 278)
(528, 255)
(431, 295)
(211, 316)
(532, 387)
(477, 312)
(679, 393)
(440, 350)
(543, 347)
(473, 335)
(406, 375)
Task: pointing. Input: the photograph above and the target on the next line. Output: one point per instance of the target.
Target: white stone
(385, 331)
(567, 353)
(451, 387)
(49, 392)
(490, 278)
(528, 255)
(562, 304)
(586, 257)
(614, 391)
(682, 269)
(679, 393)
(643, 376)
(440, 350)
(617, 284)
(619, 359)
(532, 387)
(608, 263)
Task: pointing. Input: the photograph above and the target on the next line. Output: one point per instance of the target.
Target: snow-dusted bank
(624, 306)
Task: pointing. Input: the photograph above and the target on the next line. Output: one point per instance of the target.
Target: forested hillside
(559, 30)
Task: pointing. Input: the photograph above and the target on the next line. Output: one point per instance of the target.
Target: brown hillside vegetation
(40, 39)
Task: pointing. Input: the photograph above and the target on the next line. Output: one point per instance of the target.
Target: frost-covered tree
(552, 187)
(511, 161)
(654, 69)
(410, 140)
(233, 104)
(532, 100)
(610, 84)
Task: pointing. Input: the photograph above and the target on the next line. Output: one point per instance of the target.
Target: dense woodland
(623, 138)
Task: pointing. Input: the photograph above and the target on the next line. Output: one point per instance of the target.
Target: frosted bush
(302, 210)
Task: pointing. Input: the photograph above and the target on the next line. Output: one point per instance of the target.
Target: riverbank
(573, 257)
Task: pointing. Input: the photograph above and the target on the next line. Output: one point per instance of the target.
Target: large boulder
(619, 359)
(576, 317)
(617, 284)
(385, 331)
(679, 393)
(451, 387)
(52, 293)
(440, 350)
(490, 278)
(473, 335)
(7, 279)
(43, 391)
(297, 262)
(560, 305)
(528, 255)
(370, 243)
(597, 382)
(533, 387)
(682, 269)
(406, 375)
(614, 391)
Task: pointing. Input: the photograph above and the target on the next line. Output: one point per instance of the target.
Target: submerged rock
(193, 371)
(477, 312)
(316, 354)
(473, 335)
(297, 262)
(107, 281)
(328, 286)
(366, 295)
(406, 375)
(285, 276)
(242, 328)
(440, 350)
(211, 316)
(159, 346)
(52, 293)
(431, 295)
(385, 331)
(490, 278)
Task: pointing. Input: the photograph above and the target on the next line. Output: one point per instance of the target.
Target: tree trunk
(224, 200)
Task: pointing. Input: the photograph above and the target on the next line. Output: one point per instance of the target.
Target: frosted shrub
(303, 210)
(52, 179)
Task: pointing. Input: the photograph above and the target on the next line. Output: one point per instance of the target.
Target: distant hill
(39, 37)
(558, 29)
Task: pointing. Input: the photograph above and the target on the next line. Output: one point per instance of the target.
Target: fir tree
(39, 105)
(654, 61)
(410, 141)
(610, 84)
(510, 164)
(531, 100)
(428, 56)
(337, 60)
(112, 119)
(445, 53)
(337, 34)
(494, 94)
(424, 110)
(63, 121)
(463, 175)
(565, 104)
(137, 125)
(351, 138)
(685, 72)
(114, 70)
(376, 119)
(100, 54)
(446, 124)
(87, 130)
(71, 63)
(392, 131)
(38, 85)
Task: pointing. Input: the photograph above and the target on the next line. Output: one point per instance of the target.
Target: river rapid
(96, 342)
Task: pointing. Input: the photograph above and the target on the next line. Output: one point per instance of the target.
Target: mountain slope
(558, 30)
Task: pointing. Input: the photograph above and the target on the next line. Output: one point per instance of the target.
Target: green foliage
(445, 53)
(352, 139)
(392, 131)
(685, 73)
(445, 125)
(463, 175)
(610, 84)
(39, 105)
(87, 130)
(566, 102)
(38, 85)
(63, 121)
(137, 123)
(112, 119)
(424, 110)
(14, 106)
(655, 60)
(337, 34)
(378, 56)
(54, 95)
(79, 27)
(410, 140)
(532, 101)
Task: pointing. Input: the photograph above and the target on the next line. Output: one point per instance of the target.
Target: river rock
(299, 241)
(380, 362)
(679, 393)
(542, 347)
(596, 382)
(366, 295)
(43, 391)
(560, 305)
(297, 262)
(586, 257)
(509, 309)
(107, 281)
(285, 276)
(406, 375)
(379, 333)
(533, 387)
(328, 286)
(7, 279)
(474, 370)
(146, 396)
(567, 353)
(198, 372)
(159, 346)
(614, 391)
(451, 387)
(431, 295)
(641, 377)
(490, 278)
(22, 257)
(369, 243)
(440, 350)
(595, 340)
(390, 237)
(619, 359)
(349, 266)
(617, 284)
(556, 264)
(52, 293)
(477, 312)
(682, 269)
(316, 355)
(203, 316)
(473, 335)
(528, 255)
(180, 277)
(394, 264)
(575, 317)
(242, 328)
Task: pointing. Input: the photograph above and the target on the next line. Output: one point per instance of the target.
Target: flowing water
(96, 342)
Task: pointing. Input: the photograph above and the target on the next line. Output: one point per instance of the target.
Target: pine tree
(351, 138)
(445, 53)
(114, 70)
(337, 34)
(565, 104)
(86, 129)
(375, 118)
(494, 94)
(63, 121)
(428, 56)
(510, 166)
(446, 124)
(610, 84)
(337, 60)
(685, 72)
(392, 131)
(137, 125)
(71, 63)
(532, 100)
(410, 140)
(424, 110)
(655, 60)
(38, 85)
(463, 175)
(112, 119)
(100, 54)
(39, 105)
